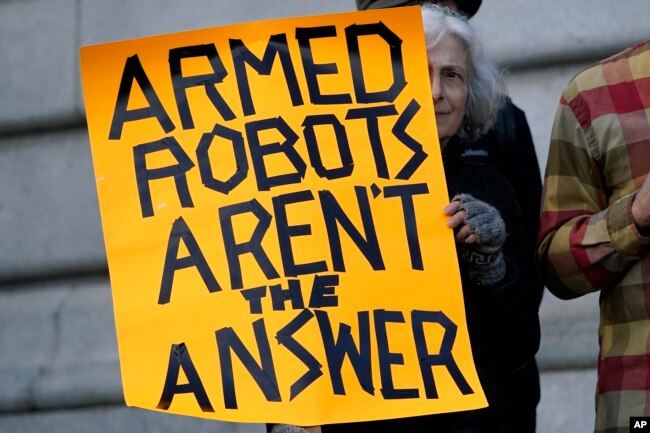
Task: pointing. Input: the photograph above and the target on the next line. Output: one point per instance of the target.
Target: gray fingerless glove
(486, 265)
(287, 428)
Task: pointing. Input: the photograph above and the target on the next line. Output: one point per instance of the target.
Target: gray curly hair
(486, 90)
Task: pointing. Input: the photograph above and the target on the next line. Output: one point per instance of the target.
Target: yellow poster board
(271, 196)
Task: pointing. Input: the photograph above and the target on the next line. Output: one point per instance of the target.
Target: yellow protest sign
(271, 196)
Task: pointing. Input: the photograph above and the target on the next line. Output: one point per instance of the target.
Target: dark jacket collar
(453, 152)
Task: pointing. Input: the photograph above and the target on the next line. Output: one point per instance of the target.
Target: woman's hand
(480, 232)
(475, 222)
(456, 220)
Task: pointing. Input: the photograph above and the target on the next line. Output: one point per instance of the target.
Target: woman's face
(448, 72)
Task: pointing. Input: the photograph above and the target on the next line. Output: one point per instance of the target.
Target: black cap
(468, 7)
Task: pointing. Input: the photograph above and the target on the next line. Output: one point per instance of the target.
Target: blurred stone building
(59, 368)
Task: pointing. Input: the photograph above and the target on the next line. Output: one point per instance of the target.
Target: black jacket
(502, 320)
(508, 146)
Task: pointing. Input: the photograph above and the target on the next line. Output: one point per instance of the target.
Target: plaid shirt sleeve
(587, 239)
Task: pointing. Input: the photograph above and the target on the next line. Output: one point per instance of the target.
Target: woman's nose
(436, 87)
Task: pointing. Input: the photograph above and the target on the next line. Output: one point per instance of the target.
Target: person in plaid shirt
(595, 222)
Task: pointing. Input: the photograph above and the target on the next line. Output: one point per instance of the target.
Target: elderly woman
(499, 298)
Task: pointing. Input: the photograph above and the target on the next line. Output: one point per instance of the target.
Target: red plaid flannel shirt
(599, 157)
